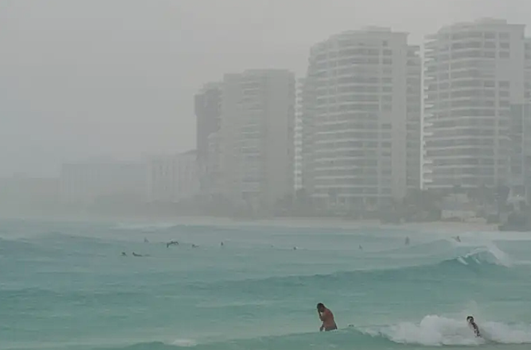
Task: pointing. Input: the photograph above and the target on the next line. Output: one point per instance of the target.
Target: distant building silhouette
(208, 116)
(173, 178)
(256, 136)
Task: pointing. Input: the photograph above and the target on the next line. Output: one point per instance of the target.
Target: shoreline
(310, 223)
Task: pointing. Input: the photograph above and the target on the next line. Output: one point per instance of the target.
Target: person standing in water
(327, 317)
(472, 324)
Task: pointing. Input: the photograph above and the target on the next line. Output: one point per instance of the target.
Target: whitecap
(434, 330)
(184, 342)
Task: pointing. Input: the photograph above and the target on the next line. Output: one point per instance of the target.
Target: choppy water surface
(67, 286)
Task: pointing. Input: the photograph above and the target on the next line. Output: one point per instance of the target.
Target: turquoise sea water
(66, 286)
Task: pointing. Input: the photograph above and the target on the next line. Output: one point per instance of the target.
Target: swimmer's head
(320, 307)
(470, 319)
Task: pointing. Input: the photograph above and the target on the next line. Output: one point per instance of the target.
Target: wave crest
(433, 330)
(491, 255)
(436, 330)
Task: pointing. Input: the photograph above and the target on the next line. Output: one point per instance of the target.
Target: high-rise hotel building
(361, 119)
(474, 74)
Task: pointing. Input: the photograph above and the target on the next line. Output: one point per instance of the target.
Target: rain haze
(82, 79)
(265, 175)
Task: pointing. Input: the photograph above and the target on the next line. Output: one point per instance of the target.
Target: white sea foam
(144, 226)
(184, 342)
(462, 260)
(483, 252)
(491, 255)
(436, 330)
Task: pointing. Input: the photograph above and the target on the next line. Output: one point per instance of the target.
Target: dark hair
(470, 318)
(320, 305)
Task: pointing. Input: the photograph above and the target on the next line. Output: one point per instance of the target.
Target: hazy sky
(106, 77)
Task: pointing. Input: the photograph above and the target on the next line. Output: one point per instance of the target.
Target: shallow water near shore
(67, 286)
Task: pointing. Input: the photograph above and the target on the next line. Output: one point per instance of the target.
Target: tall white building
(361, 119)
(174, 178)
(256, 136)
(520, 159)
(474, 73)
(298, 137)
(208, 112)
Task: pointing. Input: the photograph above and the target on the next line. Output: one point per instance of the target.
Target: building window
(504, 35)
(504, 84)
(504, 93)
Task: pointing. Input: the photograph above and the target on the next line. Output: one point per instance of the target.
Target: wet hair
(320, 305)
(470, 318)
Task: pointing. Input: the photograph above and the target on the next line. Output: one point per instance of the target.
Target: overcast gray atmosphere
(80, 79)
(265, 175)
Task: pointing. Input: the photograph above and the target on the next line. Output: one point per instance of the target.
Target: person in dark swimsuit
(171, 243)
(473, 325)
(327, 317)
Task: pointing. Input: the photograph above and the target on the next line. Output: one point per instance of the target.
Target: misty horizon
(81, 80)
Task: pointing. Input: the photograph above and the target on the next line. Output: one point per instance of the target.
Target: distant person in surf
(327, 317)
(472, 324)
(171, 243)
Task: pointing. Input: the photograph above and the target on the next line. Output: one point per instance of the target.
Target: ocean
(68, 286)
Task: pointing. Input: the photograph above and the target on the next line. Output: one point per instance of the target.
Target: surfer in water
(472, 324)
(171, 243)
(327, 317)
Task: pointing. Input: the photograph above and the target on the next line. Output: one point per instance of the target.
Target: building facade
(298, 137)
(256, 138)
(172, 179)
(474, 73)
(361, 119)
(520, 160)
(208, 114)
